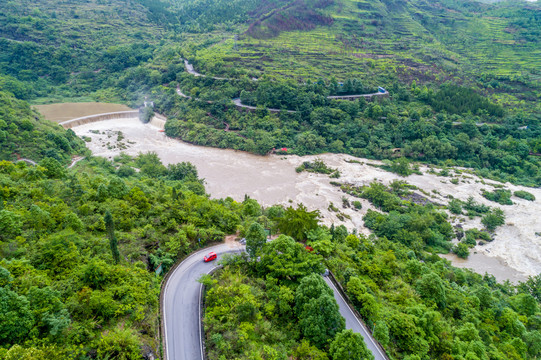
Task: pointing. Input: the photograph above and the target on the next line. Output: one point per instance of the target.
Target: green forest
(417, 305)
(24, 135)
(84, 248)
(80, 248)
(472, 104)
(474, 132)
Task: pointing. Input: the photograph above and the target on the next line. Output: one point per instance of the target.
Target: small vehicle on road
(210, 256)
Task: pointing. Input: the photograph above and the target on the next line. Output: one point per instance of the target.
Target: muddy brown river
(513, 255)
(68, 111)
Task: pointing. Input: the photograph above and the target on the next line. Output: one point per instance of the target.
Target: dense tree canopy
(79, 249)
(73, 286)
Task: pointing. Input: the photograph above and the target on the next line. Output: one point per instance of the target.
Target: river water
(513, 255)
(67, 111)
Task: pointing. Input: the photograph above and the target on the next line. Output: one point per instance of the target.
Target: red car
(210, 256)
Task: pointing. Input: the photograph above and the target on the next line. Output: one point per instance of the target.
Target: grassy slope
(386, 40)
(79, 46)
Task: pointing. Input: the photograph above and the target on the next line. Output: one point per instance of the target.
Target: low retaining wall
(99, 117)
(368, 97)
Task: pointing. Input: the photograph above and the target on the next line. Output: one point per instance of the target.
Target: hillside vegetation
(25, 134)
(83, 250)
(415, 303)
(449, 125)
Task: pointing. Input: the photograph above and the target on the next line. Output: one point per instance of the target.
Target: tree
(305, 351)
(250, 207)
(297, 222)
(113, 242)
(5, 277)
(461, 250)
(95, 274)
(455, 206)
(43, 352)
(309, 141)
(181, 171)
(430, 286)
(348, 345)
(53, 168)
(150, 164)
(493, 219)
(533, 342)
(57, 253)
(406, 334)
(401, 166)
(255, 239)
(323, 247)
(381, 332)
(10, 224)
(138, 199)
(117, 188)
(532, 286)
(468, 332)
(283, 258)
(121, 344)
(51, 315)
(17, 320)
(353, 241)
(310, 287)
(320, 320)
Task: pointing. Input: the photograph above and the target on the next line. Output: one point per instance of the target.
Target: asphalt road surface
(354, 324)
(182, 314)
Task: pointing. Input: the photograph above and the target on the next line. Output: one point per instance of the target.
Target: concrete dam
(157, 120)
(99, 117)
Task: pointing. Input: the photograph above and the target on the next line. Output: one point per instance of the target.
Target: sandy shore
(514, 254)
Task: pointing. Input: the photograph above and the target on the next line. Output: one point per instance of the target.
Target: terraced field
(388, 40)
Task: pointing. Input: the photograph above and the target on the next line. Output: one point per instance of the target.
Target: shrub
(461, 250)
(524, 195)
(455, 206)
(500, 196)
(493, 219)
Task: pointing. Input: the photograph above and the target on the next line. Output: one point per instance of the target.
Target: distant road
(239, 104)
(74, 161)
(28, 161)
(182, 314)
(191, 70)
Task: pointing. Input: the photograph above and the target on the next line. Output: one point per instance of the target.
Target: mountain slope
(496, 44)
(25, 134)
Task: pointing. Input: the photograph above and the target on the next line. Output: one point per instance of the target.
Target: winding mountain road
(353, 323)
(74, 161)
(189, 69)
(183, 334)
(181, 304)
(239, 104)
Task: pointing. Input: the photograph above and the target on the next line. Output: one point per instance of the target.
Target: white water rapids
(514, 254)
